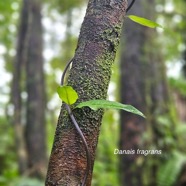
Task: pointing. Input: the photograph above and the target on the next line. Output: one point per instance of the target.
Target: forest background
(149, 73)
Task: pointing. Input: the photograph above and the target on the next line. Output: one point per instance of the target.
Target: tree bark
(89, 76)
(35, 122)
(19, 61)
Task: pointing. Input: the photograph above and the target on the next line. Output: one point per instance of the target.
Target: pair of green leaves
(70, 96)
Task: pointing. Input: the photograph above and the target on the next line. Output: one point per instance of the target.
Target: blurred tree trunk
(179, 98)
(180, 103)
(68, 41)
(132, 91)
(181, 108)
(159, 105)
(35, 122)
(16, 87)
(143, 85)
(89, 76)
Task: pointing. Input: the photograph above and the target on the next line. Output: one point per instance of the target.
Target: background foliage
(61, 21)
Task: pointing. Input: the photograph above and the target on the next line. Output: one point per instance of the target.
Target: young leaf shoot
(67, 94)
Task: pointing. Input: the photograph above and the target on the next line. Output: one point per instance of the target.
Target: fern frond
(169, 172)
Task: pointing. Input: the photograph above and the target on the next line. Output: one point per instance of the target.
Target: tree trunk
(179, 98)
(180, 101)
(143, 85)
(132, 91)
(16, 87)
(89, 76)
(159, 103)
(35, 122)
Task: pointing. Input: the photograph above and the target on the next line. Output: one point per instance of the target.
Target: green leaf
(143, 21)
(67, 94)
(96, 104)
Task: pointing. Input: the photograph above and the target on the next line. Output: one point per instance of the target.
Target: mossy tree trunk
(35, 86)
(89, 76)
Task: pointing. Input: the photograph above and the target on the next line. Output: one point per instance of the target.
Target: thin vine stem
(84, 141)
(130, 5)
(88, 155)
